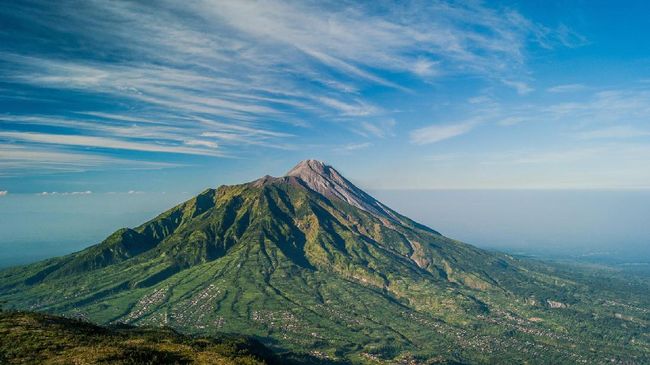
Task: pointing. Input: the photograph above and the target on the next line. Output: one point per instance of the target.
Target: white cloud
(219, 57)
(512, 120)
(425, 68)
(481, 99)
(237, 73)
(566, 88)
(521, 87)
(556, 157)
(45, 193)
(100, 142)
(379, 129)
(439, 132)
(356, 109)
(356, 37)
(356, 146)
(105, 125)
(47, 159)
(601, 110)
(202, 143)
(615, 132)
(440, 158)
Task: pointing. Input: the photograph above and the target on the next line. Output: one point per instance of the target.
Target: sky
(604, 226)
(118, 96)
(124, 108)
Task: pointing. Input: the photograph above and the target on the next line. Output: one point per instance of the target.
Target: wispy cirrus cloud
(615, 132)
(593, 139)
(521, 87)
(613, 106)
(64, 193)
(376, 129)
(615, 113)
(201, 143)
(566, 88)
(213, 77)
(49, 159)
(439, 132)
(356, 39)
(355, 109)
(101, 142)
(356, 146)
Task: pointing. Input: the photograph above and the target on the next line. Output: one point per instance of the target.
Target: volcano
(310, 262)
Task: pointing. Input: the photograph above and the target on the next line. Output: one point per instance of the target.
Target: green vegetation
(308, 273)
(43, 339)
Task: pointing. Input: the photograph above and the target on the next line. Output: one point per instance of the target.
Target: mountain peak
(318, 175)
(324, 179)
(307, 167)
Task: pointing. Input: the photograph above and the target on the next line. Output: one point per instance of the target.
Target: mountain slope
(43, 339)
(310, 261)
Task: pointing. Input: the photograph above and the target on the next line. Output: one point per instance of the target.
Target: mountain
(310, 262)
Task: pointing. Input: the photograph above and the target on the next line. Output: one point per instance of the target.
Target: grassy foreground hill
(32, 338)
(309, 263)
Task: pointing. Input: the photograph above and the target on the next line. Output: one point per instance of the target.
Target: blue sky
(109, 97)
